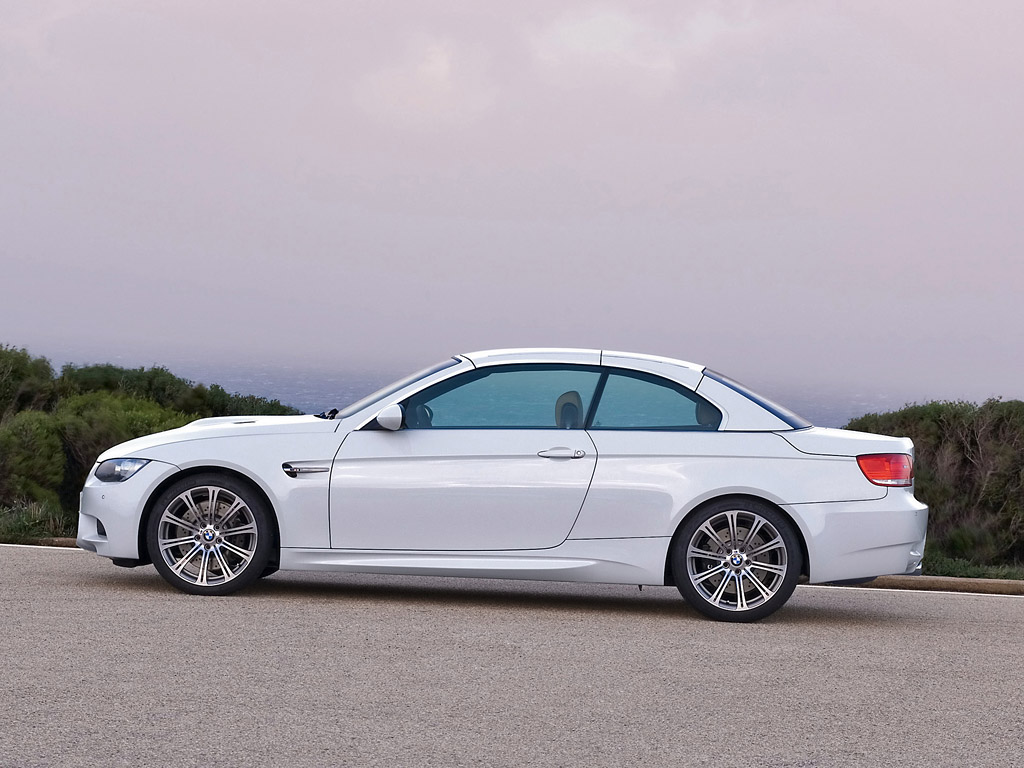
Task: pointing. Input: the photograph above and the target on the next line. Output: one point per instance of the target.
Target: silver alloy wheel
(207, 535)
(737, 560)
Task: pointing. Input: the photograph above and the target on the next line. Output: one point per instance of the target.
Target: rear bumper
(862, 539)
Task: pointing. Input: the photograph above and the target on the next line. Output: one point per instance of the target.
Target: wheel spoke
(240, 530)
(242, 553)
(211, 505)
(758, 524)
(179, 565)
(170, 517)
(225, 569)
(166, 544)
(712, 534)
(765, 592)
(716, 598)
(703, 554)
(775, 543)
(204, 569)
(700, 578)
(741, 595)
(730, 518)
(236, 505)
(190, 503)
(778, 570)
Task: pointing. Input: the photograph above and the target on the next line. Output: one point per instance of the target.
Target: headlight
(119, 470)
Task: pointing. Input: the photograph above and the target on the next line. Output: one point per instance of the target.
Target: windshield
(794, 420)
(390, 389)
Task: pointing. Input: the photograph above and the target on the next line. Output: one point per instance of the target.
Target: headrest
(708, 415)
(569, 411)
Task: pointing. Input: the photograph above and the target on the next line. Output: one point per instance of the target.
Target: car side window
(645, 402)
(507, 397)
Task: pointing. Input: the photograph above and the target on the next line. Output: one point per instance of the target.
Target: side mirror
(391, 417)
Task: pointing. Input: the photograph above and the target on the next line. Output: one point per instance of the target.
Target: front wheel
(210, 535)
(737, 560)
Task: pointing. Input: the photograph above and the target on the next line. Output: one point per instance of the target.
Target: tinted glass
(390, 389)
(506, 397)
(794, 420)
(640, 401)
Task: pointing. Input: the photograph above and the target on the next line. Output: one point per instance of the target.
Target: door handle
(562, 453)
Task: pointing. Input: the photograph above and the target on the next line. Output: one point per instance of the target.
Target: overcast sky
(811, 192)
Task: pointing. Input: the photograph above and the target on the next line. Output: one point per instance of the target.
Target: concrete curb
(52, 542)
(921, 583)
(949, 584)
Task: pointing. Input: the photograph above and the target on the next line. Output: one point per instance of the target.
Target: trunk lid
(825, 441)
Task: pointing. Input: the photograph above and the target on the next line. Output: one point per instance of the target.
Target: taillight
(893, 469)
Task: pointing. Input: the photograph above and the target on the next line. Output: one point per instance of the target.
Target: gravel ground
(106, 666)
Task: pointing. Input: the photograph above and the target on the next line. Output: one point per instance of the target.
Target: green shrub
(163, 387)
(90, 424)
(156, 384)
(938, 564)
(26, 382)
(52, 429)
(31, 458)
(24, 522)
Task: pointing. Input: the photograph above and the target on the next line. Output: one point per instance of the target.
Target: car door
(658, 442)
(492, 459)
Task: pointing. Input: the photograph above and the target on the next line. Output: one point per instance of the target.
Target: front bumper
(110, 513)
(863, 539)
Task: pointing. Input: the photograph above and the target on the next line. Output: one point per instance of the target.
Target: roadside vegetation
(53, 426)
(969, 468)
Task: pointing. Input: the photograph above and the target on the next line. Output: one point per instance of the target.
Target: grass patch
(940, 565)
(25, 522)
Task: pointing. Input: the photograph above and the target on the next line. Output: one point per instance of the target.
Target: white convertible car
(566, 465)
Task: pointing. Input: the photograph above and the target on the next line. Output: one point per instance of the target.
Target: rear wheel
(210, 535)
(737, 560)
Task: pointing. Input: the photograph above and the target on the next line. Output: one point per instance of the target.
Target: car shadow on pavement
(499, 595)
(662, 602)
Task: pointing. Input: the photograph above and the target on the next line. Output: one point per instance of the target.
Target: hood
(824, 441)
(220, 426)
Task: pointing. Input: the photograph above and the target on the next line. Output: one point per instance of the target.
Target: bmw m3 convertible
(555, 464)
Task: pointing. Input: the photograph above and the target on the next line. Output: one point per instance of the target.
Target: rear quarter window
(637, 401)
(792, 419)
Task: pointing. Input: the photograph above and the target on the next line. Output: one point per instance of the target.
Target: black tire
(206, 552)
(736, 560)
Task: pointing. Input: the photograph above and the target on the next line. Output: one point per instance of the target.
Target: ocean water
(315, 391)
(835, 409)
(309, 391)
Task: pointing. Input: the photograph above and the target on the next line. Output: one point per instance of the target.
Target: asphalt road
(106, 666)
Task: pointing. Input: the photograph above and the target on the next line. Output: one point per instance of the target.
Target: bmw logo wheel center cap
(737, 560)
(208, 536)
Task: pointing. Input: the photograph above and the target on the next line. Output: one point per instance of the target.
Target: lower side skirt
(608, 561)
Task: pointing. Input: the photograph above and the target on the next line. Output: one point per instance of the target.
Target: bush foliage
(52, 427)
(31, 458)
(26, 382)
(164, 388)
